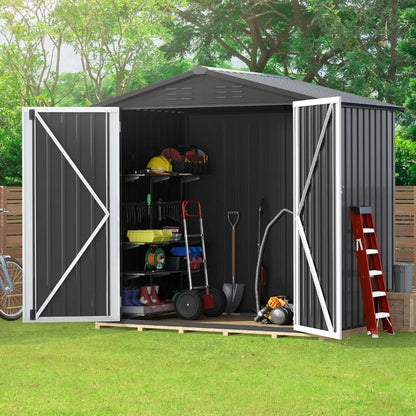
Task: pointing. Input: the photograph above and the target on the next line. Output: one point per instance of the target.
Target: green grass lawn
(74, 369)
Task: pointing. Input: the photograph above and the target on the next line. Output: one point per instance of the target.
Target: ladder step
(368, 230)
(195, 235)
(381, 315)
(378, 293)
(372, 251)
(375, 273)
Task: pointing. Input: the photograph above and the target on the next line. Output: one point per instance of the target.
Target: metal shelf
(160, 176)
(149, 273)
(148, 310)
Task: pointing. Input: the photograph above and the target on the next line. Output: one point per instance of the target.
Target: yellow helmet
(159, 163)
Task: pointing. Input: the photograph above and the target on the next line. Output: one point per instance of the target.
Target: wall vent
(179, 94)
(224, 92)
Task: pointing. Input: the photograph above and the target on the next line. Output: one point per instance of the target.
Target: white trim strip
(296, 254)
(315, 158)
(338, 217)
(314, 274)
(71, 266)
(318, 332)
(316, 101)
(71, 162)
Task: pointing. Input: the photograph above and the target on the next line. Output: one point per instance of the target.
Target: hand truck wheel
(188, 304)
(219, 302)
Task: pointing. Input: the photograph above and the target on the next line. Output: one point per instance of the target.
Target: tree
(31, 48)
(114, 39)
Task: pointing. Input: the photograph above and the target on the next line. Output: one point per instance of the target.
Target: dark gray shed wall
(250, 158)
(368, 179)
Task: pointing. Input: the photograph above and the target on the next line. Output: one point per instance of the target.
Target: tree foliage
(365, 47)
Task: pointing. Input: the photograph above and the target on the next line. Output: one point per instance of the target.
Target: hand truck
(191, 302)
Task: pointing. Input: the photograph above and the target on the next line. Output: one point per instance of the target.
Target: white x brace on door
(71, 214)
(317, 217)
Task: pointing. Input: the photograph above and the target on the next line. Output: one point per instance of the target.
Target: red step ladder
(373, 285)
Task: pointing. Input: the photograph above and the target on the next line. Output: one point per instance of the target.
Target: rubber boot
(144, 296)
(135, 297)
(154, 295)
(126, 297)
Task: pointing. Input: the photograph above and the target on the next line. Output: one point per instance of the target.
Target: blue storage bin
(180, 251)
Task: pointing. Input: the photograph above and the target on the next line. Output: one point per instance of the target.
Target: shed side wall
(368, 179)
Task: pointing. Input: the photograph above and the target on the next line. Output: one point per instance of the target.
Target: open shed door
(71, 214)
(317, 221)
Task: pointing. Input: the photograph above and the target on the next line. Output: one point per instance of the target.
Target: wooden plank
(183, 330)
(15, 252)
(14, 195)
(13, 241)
(14, 209)
(405, 209)
(405, 242)
(404, 189)
(405, 230)
(405, 256)
(14, 229)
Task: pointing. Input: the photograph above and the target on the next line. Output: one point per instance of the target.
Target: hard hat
(159, 163)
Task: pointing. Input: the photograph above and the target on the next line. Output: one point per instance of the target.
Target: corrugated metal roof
(290, 85)
(272, 84)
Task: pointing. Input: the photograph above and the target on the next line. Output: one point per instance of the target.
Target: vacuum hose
(260, 254)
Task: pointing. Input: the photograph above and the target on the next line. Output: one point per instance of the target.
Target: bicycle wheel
(11, 301)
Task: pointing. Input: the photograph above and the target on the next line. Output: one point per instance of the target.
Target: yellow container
(142, 236)
(158, 235)
(149, 236)
(167, 235)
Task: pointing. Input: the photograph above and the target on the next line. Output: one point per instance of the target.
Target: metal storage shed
(311, 149)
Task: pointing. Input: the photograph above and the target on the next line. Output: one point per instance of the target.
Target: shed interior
(249, 160)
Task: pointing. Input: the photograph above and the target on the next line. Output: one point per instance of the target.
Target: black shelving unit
(139, 273)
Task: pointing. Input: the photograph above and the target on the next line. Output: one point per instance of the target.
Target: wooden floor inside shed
(225, 324)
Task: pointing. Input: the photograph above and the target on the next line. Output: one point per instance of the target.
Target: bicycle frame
(9, 287)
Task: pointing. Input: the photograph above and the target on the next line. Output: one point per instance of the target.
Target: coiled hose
(260, 255)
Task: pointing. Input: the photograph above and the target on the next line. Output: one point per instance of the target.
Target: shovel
(233, 292)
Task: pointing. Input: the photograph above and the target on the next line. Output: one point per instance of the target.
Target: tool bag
(186, 158)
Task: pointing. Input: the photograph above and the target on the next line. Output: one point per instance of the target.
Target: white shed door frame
(332, 326)
(108, 217)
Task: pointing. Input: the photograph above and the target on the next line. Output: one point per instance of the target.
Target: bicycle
(11, 286)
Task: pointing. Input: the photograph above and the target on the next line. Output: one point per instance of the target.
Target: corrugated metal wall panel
(368, 179)
(66, 214)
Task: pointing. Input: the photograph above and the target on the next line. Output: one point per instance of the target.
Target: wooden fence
(405, 224)
(11, 222)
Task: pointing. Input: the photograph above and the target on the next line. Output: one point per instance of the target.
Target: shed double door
(71, 214)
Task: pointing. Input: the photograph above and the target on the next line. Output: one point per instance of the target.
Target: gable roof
(215, 87)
